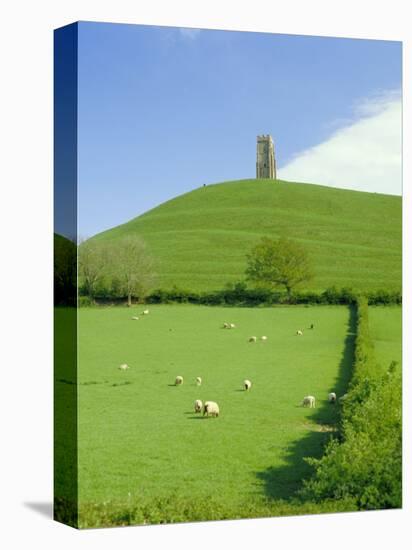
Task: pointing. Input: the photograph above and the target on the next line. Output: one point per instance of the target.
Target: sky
(163, 110)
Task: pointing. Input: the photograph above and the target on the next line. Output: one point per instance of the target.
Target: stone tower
(265, 158)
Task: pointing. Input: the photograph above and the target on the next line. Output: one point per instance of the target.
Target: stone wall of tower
(265, 158)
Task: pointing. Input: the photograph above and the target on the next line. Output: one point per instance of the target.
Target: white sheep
(179, 380)
(135, 318)
(252, 339)
(210, 408)
(332, 397)
(226, 325)
(123, 367)
(309, 401)
(343, 398)
(145, 312)
(247, 384)
(263, 338)
(198, 406)
(198, 381)
(232, 325)
(299, 333)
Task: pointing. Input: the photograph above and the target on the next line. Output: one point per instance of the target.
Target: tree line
(124, 268)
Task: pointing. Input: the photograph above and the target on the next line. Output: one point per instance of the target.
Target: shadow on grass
(282, 482)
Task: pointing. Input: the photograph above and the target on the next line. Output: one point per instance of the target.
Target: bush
(141, 509)
(366, 465)
(85, 301)
(384, 297)
(238, 294)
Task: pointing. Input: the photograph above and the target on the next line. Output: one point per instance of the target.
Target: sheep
(145, 312)
(232, 325)
(263, 338)
(198, 406)
(252, 339)
(123, 367)
(299, 332)
(309, 401)
(343, 398)
(247, 384)
(332, 397)
(198, 381)
(135, 318)
(226, 325)
(179, 380)
(210, 408)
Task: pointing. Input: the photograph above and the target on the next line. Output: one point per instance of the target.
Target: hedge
(364, 463)
(240, 295)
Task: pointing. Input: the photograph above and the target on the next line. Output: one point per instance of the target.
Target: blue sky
(163, 110)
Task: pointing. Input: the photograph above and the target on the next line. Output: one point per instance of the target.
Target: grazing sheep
(179, 380)
(198, 381)
(123, 367)
(343, 398)
(247, 384)
(226, 325)
(252, 339)
(135, 318)
(309, 401)
(145, 312)
(263, 338)
(332, 397)
(299, 332)
(198, 406)
(210, 408)
(232, 325)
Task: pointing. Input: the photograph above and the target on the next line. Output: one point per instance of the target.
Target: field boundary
(240, 295)
(364, 464)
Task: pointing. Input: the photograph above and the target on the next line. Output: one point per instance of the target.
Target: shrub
(366, 465)
(85, 301)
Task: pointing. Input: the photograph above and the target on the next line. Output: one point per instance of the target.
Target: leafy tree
(132, 267)
(278, 263)
(93, 262)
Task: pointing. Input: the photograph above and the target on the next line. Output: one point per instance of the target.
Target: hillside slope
(200, 239)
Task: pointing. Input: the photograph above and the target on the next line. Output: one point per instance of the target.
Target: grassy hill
(200, 239)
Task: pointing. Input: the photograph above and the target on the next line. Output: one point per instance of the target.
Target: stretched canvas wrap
(227, 274)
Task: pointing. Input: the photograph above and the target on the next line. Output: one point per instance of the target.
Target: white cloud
(365, 155)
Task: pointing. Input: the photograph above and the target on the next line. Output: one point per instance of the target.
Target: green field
(386, 330)
(200, 239)
(138, 435)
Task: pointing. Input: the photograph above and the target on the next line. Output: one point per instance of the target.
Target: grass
(386, 330)
(200, 239)
(141, 444)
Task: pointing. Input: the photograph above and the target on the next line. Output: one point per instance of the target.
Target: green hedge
(240, 295)
(365, 462)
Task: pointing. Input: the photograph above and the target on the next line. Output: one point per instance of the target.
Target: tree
(132, 266)
(278, 263)
(93, 262)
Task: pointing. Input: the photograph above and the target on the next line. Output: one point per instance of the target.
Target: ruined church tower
(265, 158)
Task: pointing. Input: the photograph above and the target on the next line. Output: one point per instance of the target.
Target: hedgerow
(365, 462)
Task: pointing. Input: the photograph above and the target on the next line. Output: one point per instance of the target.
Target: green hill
(200, 238)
